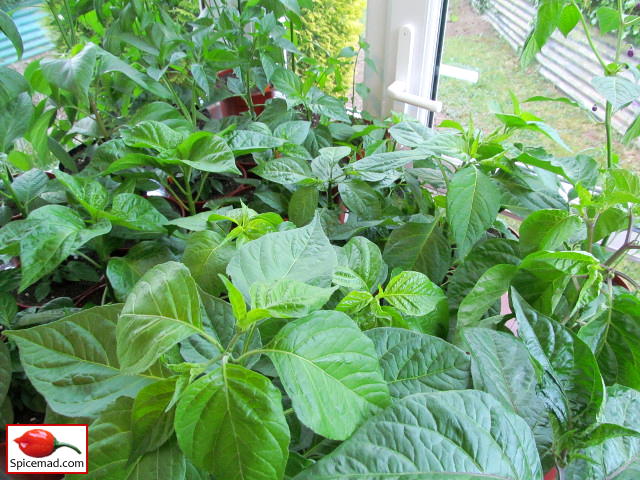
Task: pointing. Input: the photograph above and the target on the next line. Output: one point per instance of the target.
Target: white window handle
(398, 90)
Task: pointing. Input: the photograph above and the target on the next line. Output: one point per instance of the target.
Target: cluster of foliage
(591, 8)
(331, 25)
(342, 318)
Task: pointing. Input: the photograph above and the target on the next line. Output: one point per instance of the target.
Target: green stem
(607, 126)
(60, 28)
(205, 175)
(174, 195)
(72, 27)
(250, 353)
(180, 103)
(583, 21)
(620, 30)
(444, 173)
(213, 361)
(233, 341)
(90, 260)
(96, 114)
(188, 192)
(194, 110)
(57, 445)
(247, 340)
(212, 340)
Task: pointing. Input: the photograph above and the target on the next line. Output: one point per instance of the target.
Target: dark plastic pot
(237, 105)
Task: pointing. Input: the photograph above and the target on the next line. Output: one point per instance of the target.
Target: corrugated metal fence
(28, 18)
(567, 62)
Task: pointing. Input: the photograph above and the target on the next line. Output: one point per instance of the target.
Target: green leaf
(11, 31)
(445, 435)
(136, 213)
(411, 134)
(231, 423)
(490, 287)
(334, 381)
(287, 298)
(109, 443)
(237, 302)
(482, 257)
(547, 230)
(608, 19)
(421, 247)
(547, 18)
(29, 186)
(633, 131)
(8, 309)
(617, 457)
(152, 424)
(569, 18)
(287, 82)
(5, 371)
(73, 74)
(59, 231)
(566, 358)
(617, 90)
(209, 153)
(91, 194)
(152, 134)
(73, 362)
(324, 104)
(303, 254)
(162, 309)
(243, 142)
(207, 255)
(360, 198)
(501, 367)
(412, 293)
(472, 206)
(362, 267)
(614, 337)
(14, 121)
(303, 204)
(284, 170)
(413, 362)
(375, 167)
(354, 302)
(124, 272)
(163, 463)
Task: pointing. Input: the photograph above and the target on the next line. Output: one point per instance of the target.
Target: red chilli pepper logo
(39, 443)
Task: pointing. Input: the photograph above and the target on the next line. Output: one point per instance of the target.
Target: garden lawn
(472, 43)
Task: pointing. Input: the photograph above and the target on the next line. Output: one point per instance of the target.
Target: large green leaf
(231, 423)
(303, 205)
(14, 120)
(500, 366)
(617, 457)
(287, 298)
(5, 371)
(547, 230)
(284, 170)
(436, 436)
(209, 153)
(412, 293)
(207, 255)
(490, 287)
(152, 134)
(614, 337)
(375, 167)
(360, 198)
(421, 247)
(482, 257)
(617, 90)
(91, 194)
(136, 213)
(73, 74)
(361, 267)
(73, 362)
(303, 254)
(162, 309)
(330, 370)
(568, 361)
(152, 423)
(472, 206)
(413, 362)
(124, 272)
(162, 463)
(58, 232)
(29, 186)
(8, 27)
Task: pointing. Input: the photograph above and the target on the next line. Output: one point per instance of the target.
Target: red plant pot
(237, 105)
(551, 474)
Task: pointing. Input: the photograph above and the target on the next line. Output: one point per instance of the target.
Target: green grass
(500, 72)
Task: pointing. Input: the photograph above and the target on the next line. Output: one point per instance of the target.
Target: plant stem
(173, 194)
(627, 245)
(247, 340)
(187, 191)
(607, 126)
(444, 173)
(205, 175)
(60, 28)
(583, 21)
(241, 358)
(212, 340)
(72, 27)
(96, 114)
(628, 279)
(233, 341)
(90, 260)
